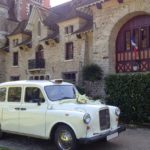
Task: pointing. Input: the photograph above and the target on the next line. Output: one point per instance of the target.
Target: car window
(2, 94)
(33, 95)
(14, 94)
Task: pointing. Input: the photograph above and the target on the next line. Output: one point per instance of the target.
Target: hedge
(131, 93)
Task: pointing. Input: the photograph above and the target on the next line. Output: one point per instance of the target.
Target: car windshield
(60, 92)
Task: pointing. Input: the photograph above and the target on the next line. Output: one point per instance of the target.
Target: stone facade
(6, 26)
(108, 21)
(54, 52)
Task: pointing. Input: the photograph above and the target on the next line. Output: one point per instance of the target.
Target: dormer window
(15, 42)
(69, 29)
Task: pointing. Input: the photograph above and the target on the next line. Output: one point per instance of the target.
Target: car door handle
(23, 109)
(17, 108)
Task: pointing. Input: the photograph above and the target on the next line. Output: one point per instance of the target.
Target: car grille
(104, 119)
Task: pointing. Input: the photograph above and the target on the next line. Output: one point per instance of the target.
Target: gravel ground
(131, 139)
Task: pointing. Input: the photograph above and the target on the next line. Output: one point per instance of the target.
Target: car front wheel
(65, 138)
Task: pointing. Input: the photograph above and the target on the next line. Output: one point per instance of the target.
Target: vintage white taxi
(55, 110)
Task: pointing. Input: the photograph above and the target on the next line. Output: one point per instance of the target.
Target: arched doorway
(133, 46)
(39, 52)
(39, 57)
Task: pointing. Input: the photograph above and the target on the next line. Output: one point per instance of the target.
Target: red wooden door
(127, 59)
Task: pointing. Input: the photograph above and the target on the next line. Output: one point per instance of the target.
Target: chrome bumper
(102, 136)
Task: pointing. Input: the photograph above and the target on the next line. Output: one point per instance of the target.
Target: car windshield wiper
(64, 98)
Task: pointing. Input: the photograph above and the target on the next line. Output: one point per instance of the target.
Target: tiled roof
(4, 2)
(80, 3)
(54, 36)
(27, 42)
(87, 27)
(64, 12)
(6, 46)
(20, 28)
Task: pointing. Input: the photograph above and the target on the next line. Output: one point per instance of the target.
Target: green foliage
(3, 148)
(131, 93)
(81, 90)
(92, 73)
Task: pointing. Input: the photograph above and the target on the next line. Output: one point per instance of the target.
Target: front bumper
(102, 136)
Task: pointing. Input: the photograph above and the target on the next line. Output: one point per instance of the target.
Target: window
(15, 59)
(41, 77)
(69, 51)
(2, 94)
(47, 77)
(14, 94)
(33, 95)
(15, 42)
(40, 53)
(144, 37)
(69, 77)
(39, 28)
(128, 40)
(14, 78)
(36, 78)
(30, 9)
(69, 29)
(136, 36)
(31, 78)
(38, 1)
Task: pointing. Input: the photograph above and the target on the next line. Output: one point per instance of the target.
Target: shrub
(132, 94)
(81, 90)
(92, 73)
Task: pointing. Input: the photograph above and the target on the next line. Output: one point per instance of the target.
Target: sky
(57, 2)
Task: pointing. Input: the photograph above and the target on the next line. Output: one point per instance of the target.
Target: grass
(1, 148)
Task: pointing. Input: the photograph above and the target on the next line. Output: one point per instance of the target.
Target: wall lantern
(46, 42)
(21, 48)
(78, 36)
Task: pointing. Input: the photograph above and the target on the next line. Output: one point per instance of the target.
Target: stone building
(8, 22)
(11, 12)
(57, 43)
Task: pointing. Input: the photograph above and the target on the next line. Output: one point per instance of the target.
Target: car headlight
(117, 112)
(86, 118)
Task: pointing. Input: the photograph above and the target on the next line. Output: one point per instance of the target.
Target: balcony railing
(35, 64)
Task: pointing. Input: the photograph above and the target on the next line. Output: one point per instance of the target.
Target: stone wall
(94, 89)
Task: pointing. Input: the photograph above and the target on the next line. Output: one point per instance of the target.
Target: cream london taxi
(55, 110)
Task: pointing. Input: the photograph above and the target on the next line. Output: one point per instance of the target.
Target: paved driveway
(132, 139)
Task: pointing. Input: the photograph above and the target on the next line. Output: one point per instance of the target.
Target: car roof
(41, 83)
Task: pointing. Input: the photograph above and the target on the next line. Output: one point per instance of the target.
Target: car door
(32, 114)
(2, 102)
(11, 110)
